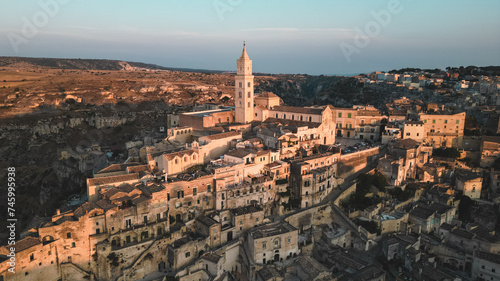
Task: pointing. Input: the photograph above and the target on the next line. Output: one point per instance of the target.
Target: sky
(282, 36)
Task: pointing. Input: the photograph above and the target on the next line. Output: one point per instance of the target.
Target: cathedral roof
(267, 95)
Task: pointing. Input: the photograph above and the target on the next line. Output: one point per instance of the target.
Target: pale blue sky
(282, 36)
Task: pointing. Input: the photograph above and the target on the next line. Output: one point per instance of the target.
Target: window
(264, 245)
(97, 231)
(425, 121)
(241, 222)
(349, 115)
(289, 239)
(340, 114)
(433, 121)
(188, 254)
(32, 257)
(248, 94)
(248, 104)
(239, 94)
(408, 134)
(128, 223)
(256, 219)
(215, 230)
(276, 243)
(73, 245)
(248, 84)
(68, 235)
(209, 188)
(458, 121)
(445, 121)
(194, 191)
(241, 84)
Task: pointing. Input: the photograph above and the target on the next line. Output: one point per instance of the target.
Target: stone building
(485, 266)
(272, 242)
(469, 183)
(443, 128)
(414, 130)
(402, 160)
(312, 178)
(490, 151)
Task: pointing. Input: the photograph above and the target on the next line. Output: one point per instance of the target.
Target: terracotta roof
(85, 208)
(140, 199)
(296, 123)
(105, 204)
(113, 179)
(262, 152)
(26, 243)
(179, 154)
(241, 152)
(272, 165)
(267, 95)
(139, 168)
(223, 135)
(261, 107)
(296, 109)
(406, 144)
(113, 168)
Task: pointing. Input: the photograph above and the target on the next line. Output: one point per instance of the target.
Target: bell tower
(243, 85)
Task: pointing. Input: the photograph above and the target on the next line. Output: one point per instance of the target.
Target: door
(229, 236)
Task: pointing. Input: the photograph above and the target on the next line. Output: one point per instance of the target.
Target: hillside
(88, 64)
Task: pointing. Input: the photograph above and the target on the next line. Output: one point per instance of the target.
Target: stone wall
(305, 219)
(353, 162)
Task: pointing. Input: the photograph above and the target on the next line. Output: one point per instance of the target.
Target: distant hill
(89, 64)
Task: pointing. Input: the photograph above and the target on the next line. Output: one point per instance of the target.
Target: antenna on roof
(244, 44)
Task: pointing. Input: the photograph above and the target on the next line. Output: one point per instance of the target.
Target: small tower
(243, 85)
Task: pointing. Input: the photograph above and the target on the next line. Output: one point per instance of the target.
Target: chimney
(442, 107)
(58, 212)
